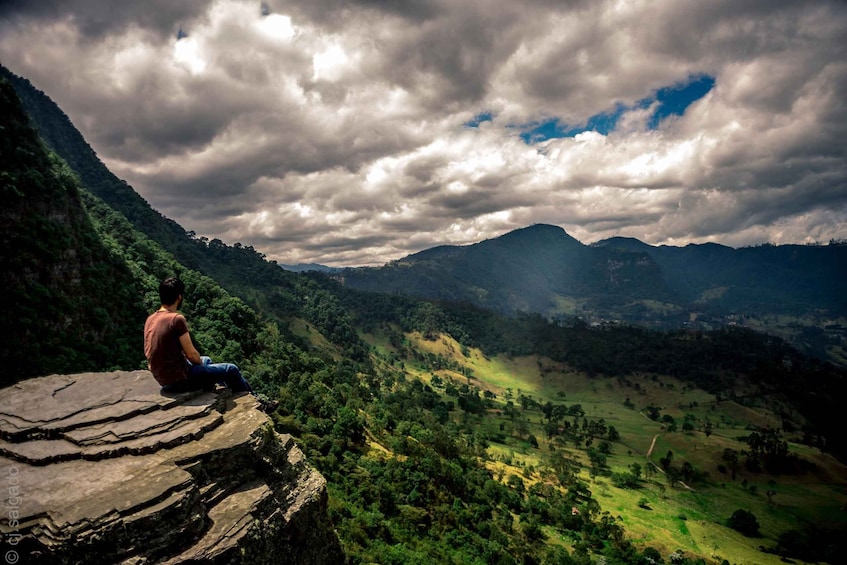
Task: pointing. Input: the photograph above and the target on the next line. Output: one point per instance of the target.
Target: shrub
(625, 480)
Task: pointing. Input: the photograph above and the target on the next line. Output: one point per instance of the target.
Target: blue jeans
(205, 375)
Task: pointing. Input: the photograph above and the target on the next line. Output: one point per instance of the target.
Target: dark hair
(170, 289)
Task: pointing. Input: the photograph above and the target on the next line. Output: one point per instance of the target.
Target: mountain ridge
(541, 268)
(527, 269)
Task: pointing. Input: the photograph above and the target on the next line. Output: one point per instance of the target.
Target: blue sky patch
(478, 119)
(673, 100)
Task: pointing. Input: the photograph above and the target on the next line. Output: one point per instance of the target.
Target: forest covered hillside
(779, 279)
(794, 291)
(68, 303)
(450, 433)
(538, 267)
(530, 270)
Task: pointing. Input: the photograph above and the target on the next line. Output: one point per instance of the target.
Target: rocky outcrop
(103, 468)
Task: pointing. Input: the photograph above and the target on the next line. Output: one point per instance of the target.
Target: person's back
(162, 348)
(171, 355)
(175, 362)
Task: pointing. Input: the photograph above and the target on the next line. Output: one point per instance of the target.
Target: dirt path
(652, 445)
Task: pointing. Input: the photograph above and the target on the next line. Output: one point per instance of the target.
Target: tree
(531, 527)
(667, 460)
(687, 471)
(731, 458)
(349, 427)
(653, 555)
(635, 469)
(745, 522)
(613, 434)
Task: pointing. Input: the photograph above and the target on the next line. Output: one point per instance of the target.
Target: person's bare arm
(188, 348)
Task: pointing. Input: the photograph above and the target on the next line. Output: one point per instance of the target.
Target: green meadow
(679, 516)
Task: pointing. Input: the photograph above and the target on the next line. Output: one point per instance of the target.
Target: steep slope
(243, 271)
(81, 279)
(57, 131)
(69, 302)
(240, 269)
(528, 269)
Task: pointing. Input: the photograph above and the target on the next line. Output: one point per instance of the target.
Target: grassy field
(792, 328)
(689, 519)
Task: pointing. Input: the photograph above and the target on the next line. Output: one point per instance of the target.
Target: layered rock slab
(108, 470)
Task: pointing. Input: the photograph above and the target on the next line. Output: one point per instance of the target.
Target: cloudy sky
(354, 132)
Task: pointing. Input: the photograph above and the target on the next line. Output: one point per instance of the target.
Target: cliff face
(106, 469)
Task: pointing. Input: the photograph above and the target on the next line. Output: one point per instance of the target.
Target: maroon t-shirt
(162, 348)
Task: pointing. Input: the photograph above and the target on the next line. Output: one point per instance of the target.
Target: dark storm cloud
(470, 204)
(98, 18)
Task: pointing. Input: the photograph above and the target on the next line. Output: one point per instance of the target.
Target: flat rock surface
(110, 469)
(62, 402)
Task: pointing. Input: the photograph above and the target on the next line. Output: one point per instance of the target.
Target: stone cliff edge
(103, 468)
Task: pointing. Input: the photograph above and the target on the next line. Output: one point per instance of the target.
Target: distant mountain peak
(537, 235)
(539, 230)
(624, 243)
(542, 227)
(534, 229)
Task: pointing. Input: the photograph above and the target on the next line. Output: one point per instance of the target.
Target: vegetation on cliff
(68, 304)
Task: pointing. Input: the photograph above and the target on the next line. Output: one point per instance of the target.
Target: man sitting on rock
(172, 357)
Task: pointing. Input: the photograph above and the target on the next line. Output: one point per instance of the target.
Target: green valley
(660, 509)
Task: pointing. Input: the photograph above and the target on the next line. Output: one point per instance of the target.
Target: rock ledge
(107, 469)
